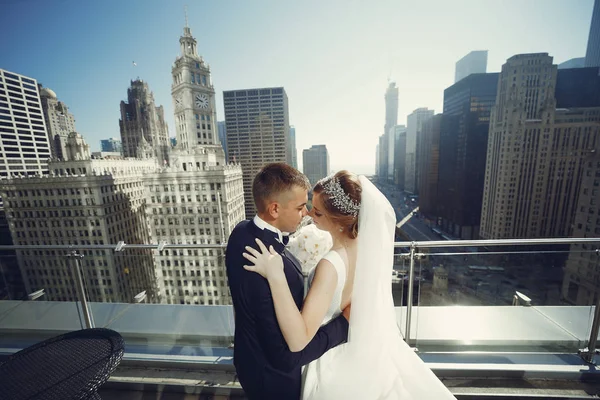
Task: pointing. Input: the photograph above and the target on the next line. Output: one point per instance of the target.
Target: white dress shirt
(258, 221)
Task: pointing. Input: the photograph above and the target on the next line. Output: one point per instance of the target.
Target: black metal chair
(69, 366)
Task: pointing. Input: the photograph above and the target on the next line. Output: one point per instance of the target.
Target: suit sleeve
(271, 339)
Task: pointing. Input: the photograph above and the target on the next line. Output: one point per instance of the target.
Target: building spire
(187, 32)
(187, 41)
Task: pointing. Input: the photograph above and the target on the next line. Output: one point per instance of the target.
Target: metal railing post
(76, 257)
(588, 355)
(409, 301)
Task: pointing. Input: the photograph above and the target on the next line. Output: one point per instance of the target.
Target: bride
(375, 363)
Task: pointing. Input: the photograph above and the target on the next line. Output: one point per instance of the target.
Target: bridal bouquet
(309, 244)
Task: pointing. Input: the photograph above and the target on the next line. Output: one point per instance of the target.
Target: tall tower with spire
(194, 101)
(385, 153)
(391, 107)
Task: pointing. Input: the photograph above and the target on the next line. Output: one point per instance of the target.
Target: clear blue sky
(333, 57)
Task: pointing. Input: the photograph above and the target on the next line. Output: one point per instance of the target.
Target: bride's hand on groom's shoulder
(267, 262)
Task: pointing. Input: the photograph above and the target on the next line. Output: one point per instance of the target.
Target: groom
(265, 366)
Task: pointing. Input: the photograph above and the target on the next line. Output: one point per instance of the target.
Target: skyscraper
(382, 153)
(413, 131)
(429, 159)
(473, 63)
(385, 149)
(223, 136)
(581, 283)
(257, 132)
(315, 163)
(26, 149)
(59, 122)
(387, 139)
(111, 145)
(26, 152)
(539, 137)
(391, 107)
(400, 156)
(572, 63)
(592, 55)
(144, 131)
(377, 155)
(12, 285)
(391, 154)
(463, 148)
(294, 151)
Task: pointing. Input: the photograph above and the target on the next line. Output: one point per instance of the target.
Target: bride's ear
(354, 229)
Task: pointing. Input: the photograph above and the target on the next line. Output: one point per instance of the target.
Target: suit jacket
(265, 366)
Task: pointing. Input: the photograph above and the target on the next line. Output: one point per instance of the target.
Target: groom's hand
(346, 312)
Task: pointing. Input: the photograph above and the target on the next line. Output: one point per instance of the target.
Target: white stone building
(199, 206)
(198, 198)
(144, 132)
(59, 122)
(83, 202)
(536, 150)
(581, 283)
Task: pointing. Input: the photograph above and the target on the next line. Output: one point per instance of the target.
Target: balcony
(488, 317)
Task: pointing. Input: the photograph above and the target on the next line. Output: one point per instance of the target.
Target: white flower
(309, 244)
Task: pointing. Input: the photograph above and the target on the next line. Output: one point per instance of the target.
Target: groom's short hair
(274, 179)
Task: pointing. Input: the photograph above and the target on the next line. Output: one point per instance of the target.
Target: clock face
(201, 101)
(178, 102)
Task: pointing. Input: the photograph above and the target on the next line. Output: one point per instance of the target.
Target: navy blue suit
(265, 366)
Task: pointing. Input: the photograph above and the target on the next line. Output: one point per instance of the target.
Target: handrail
(495, 242)
(417, 244)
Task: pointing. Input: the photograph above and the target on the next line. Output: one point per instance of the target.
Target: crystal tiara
(340, 199)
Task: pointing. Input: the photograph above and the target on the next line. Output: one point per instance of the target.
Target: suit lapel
(268, 238)
(294, 261)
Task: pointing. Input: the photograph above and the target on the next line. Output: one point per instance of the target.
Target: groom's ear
(273, 208)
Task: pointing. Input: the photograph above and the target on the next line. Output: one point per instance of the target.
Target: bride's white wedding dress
(375, 363)
(312, 372)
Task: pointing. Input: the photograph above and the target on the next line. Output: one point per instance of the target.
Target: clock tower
(194, 101)
(203, 193)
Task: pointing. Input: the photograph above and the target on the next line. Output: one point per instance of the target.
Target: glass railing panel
(40, 297)
(400, 286)
(505, 298)
(183, 276)
(11, 282)
(462, 299)
(173, 302)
